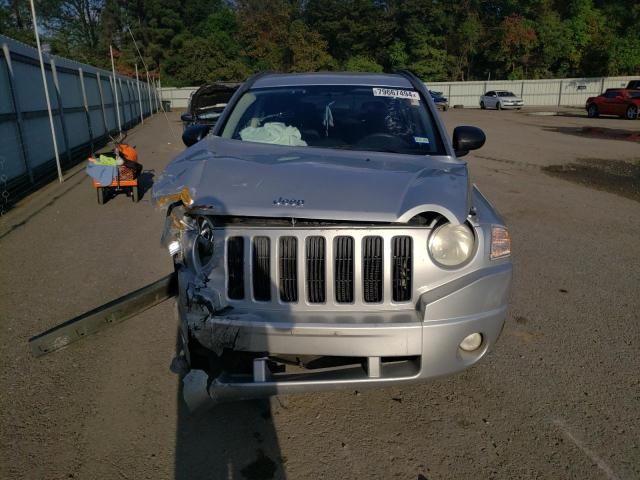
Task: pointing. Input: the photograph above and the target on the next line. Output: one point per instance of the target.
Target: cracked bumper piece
(428, 338)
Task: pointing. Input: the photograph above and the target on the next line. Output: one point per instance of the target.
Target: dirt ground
(558, 398)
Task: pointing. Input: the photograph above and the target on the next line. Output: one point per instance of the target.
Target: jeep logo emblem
(288, 202)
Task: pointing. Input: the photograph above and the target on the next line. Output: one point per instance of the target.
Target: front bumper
(423, 342)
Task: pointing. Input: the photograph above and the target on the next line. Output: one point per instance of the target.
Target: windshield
(210, 113)
(341, 117)
(506, 94)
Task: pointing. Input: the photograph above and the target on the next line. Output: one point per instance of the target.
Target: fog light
(174, 248)
(471, 342)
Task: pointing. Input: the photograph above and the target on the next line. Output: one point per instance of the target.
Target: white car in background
(500, 99)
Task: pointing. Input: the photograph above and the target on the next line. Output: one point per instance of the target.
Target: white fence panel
(535, 93)
(179, 97)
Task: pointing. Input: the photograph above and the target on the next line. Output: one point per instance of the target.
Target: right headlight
(451, 245)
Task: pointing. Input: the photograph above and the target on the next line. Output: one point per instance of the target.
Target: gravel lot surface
(558, 398)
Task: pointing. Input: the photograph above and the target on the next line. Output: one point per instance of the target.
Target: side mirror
(194, 134)
(186, 117)
(467, 138)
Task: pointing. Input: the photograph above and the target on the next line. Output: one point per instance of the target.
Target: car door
(490, 99)
(621, 102)
(609, 105)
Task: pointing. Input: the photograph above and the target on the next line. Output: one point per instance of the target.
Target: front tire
(135, 194)
(592, 111)
(632, 112)
(100, 192)
(498, 106)
(482, 107)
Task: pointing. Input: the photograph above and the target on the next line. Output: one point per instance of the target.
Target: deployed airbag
(274, 133)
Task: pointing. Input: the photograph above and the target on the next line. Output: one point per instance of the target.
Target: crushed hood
(248, 179)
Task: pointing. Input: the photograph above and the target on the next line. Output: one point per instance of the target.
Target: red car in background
(615, 101)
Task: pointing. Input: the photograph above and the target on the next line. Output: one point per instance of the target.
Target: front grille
(235, 268)
(402, 268)
(336, 269)
(261, 269)
(316, 274)
(344, 269)
(289, 269)
(372, 269)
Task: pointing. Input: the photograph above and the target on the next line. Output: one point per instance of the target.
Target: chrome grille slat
(372, 269)
(316, 274)
(289, 269)
(235, 268)
(343, 272)
(402, 268)
(261, 277)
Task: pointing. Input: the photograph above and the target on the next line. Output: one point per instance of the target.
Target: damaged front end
(276, 306)
(206, 346)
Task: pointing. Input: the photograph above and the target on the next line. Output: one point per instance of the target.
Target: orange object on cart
(126, 178)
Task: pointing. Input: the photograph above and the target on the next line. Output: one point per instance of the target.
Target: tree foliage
(195, 41)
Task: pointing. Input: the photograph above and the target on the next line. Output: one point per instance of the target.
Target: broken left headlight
(175, 226)
(204, 243)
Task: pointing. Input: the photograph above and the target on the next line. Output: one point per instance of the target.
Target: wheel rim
(592, 111)
(632, 112)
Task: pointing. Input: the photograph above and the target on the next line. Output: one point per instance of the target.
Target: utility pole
(46, 92)
(115, 89)
(139, 97)
(149, 90)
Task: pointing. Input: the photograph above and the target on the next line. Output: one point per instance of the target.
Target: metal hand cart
(126, 181)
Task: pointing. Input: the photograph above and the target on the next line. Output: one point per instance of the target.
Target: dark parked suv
(633, 85)
(205, 107)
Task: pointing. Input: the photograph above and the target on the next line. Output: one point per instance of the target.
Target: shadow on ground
(145, 182)
(231, 441)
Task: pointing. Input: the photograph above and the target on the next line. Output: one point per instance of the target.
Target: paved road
(558, 398)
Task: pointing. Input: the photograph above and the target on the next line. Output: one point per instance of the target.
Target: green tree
(264, 31)
(15, 20)
(192, 41)
(308, 50)
(360, 63)
(397, 56)
(517, 39)
(462, 45)
(199, 61)
(352, 28)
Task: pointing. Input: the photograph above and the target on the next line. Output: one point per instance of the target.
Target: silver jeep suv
(326, 234)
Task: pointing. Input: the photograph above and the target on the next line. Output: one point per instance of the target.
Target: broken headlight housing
(175, 225)
(203, 245)
(451, 246)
